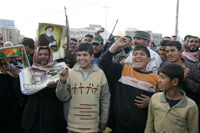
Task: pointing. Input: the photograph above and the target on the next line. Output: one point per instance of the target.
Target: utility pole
(176, 28)
(106, 30)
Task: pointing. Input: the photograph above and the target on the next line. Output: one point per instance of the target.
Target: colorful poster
(33, 79)
(52, 35)
(13, 57)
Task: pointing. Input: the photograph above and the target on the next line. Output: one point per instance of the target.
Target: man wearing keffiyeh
(43, 111)
(192, 53)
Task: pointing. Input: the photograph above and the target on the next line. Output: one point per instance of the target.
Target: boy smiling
(134, 87)
(86, 88)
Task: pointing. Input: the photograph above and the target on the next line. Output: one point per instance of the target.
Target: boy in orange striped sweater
(134, 87)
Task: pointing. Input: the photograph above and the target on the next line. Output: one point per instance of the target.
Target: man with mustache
(43, 112)
(191, 54)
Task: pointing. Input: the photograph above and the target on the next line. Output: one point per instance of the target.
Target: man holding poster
(43, 111)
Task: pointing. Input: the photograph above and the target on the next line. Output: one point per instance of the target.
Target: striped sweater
(131, 83)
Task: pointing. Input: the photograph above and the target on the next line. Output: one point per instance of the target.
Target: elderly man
(47, 39)
(143, 38)
(43, 111)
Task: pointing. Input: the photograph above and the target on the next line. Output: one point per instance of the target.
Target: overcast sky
(156, 15)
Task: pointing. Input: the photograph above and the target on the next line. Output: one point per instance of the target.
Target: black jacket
(191, 86)
(10, 105)
(44, 103)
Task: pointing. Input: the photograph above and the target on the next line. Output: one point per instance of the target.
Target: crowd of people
(123, 86)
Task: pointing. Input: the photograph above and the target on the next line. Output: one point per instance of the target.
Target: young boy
(134, 87)
(86, 88)
(171, 110)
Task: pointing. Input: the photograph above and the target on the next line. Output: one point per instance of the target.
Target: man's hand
(36, 43)
(186, 71)
(15, 71)
(143, 101)
(118, 45)
(125, 63)
(63, 75)
(102, 126)
(64, 46)
(100, 30)
(52, 84)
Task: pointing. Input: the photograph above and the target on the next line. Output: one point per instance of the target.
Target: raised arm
(63, 87)
(111, 68)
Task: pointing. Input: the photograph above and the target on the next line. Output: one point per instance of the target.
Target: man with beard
(191, 54)
(185, 41)
(43, 112)
(143, 38)
(47, 39)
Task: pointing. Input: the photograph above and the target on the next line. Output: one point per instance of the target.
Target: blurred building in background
(9, 31)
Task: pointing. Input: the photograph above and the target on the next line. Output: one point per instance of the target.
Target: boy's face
(84, 59)
(140, 60)
(164, 82)
(172, 53)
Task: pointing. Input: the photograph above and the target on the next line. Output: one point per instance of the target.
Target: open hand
(142, 101)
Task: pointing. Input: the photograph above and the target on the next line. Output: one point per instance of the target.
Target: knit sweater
(181, 118)
(89, 99)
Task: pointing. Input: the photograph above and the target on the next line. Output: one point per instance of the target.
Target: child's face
(140, 60)
(84, 59)
(164, 82)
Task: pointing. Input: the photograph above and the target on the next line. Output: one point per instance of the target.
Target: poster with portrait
(13, 57)
(34, 79)
(52, 35)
